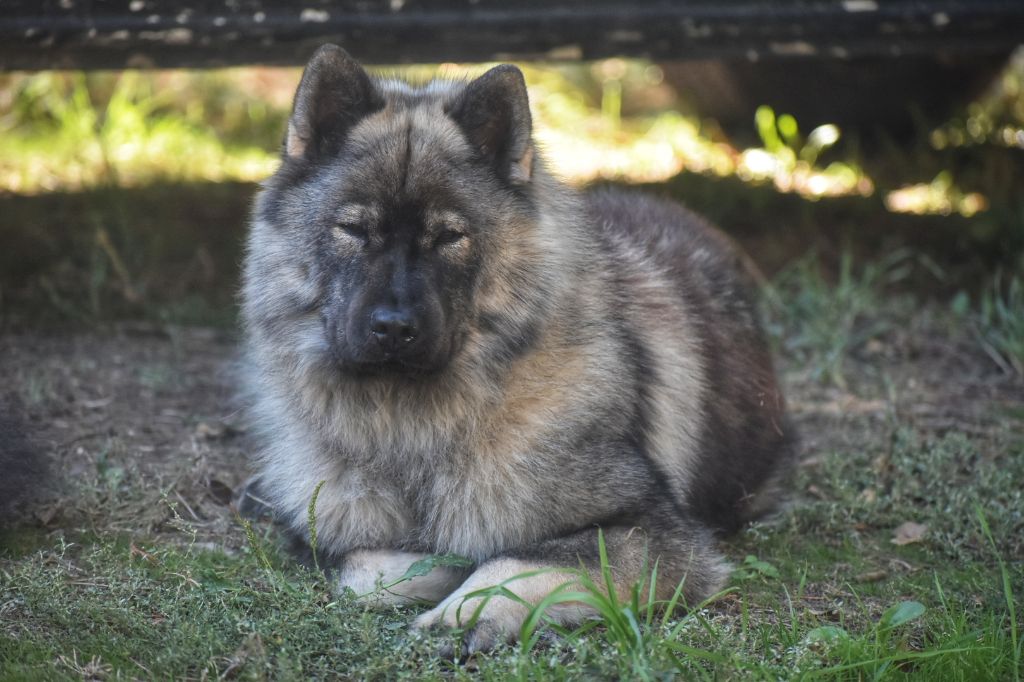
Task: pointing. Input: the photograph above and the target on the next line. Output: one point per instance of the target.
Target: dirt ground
(136, 410)
(144, 417)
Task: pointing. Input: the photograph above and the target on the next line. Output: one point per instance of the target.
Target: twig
(190, 511)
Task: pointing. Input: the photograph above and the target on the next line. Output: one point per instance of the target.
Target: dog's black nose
(394, 328)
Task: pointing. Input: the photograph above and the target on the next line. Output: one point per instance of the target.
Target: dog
(460, 355)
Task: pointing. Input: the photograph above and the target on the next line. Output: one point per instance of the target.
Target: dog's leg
(683, 554)
(374, 574)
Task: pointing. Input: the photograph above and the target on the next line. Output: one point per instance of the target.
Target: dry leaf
(874, 347)
(909, 532)
(868, 495)
(209, 431)
(221, 492)
(815, 491)
(871, 576)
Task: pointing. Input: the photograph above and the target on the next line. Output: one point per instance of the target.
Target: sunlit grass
(585, 138)
(72, 131)
(67, 132)
(939, 196)
(587, 142)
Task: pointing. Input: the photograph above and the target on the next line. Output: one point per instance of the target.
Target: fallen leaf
(868, 495)
(871, 576)
(815, 491)
(826, 634)
(901, 613)
(221, 492)
(210, 431)
(874, 347)
(908, 533)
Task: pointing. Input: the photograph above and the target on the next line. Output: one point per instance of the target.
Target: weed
(255, 546)
(999, 322)
(311, 522)
(820, 323)
(38, 388)
(1007, 589)
(640, 630)
(752, 567)
(790, 159)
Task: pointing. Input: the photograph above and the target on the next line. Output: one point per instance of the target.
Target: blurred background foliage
(71, 131)
(189, 145)
(615, 119)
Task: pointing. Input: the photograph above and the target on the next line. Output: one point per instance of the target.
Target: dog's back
(744, 447)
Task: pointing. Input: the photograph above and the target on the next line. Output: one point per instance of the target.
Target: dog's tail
(24, 474)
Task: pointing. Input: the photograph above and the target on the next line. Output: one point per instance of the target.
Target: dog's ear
(334, 94)
(494, 113)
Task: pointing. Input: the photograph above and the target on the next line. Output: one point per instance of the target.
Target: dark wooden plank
(38, 34)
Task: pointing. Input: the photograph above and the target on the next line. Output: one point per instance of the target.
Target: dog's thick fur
(566, 362)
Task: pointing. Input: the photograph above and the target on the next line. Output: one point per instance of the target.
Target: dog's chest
(477, 509)
(461, 505)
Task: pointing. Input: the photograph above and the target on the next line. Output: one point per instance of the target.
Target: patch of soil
(140, 421)
(921, 375)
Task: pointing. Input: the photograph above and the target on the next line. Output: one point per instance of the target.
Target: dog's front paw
(480, 623)
(483, 618)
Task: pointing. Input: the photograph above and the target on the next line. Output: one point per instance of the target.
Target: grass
(167, 253)
(76, 131)
(822, 320)
(121, 607)
(999, 324)
(821, 323)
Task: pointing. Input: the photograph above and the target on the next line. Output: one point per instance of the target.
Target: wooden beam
(50, 34)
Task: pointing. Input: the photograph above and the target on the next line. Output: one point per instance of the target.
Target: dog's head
(389, 204)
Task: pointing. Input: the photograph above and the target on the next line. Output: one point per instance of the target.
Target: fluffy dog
(475, 359)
